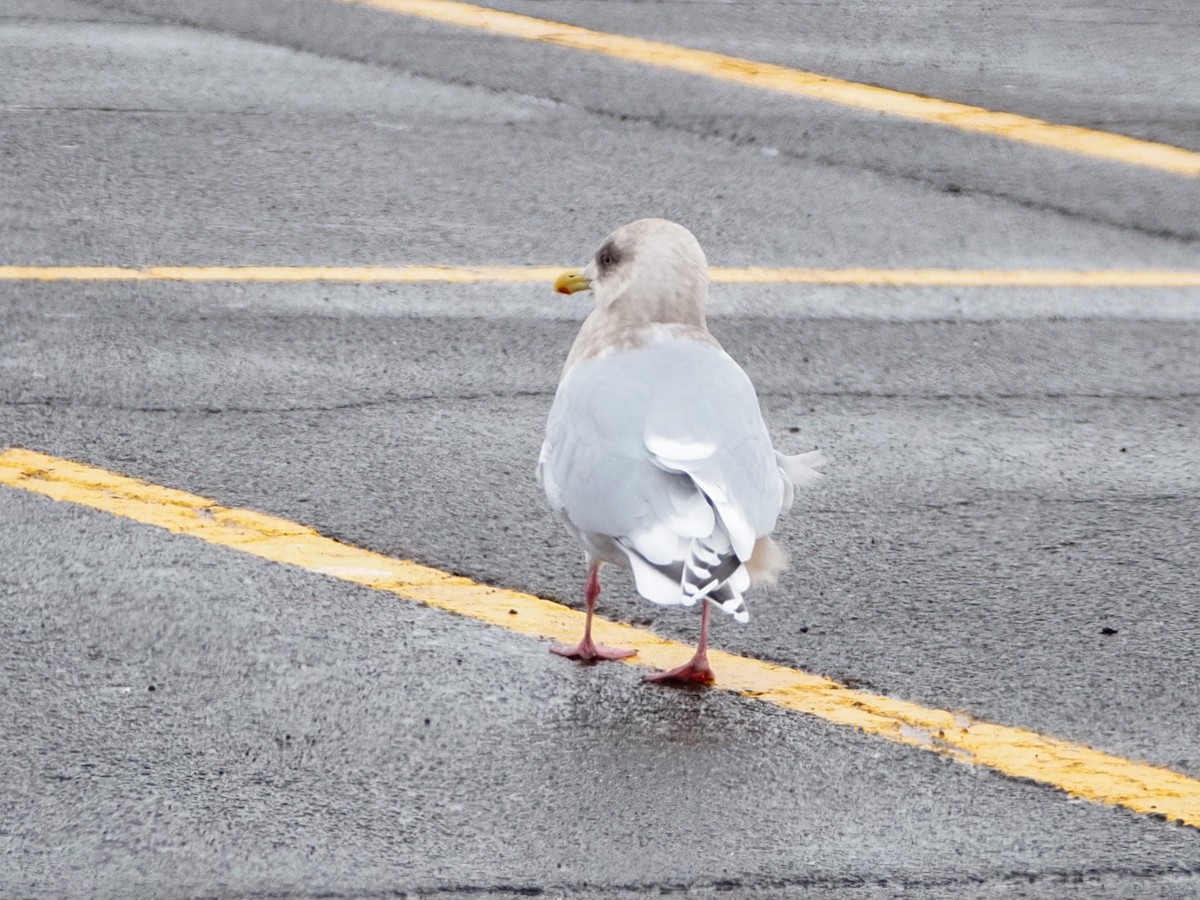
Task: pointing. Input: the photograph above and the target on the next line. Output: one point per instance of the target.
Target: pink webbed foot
(588, 650)
(694, 671)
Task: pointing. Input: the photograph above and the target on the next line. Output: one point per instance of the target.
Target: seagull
(656, 455)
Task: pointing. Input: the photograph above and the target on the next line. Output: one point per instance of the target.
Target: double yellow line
(1074, 768)
(807, 85)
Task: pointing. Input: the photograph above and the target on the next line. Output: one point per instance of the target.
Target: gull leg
(588, 650)
(696, 670)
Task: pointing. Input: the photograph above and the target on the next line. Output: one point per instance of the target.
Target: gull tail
(767, 562)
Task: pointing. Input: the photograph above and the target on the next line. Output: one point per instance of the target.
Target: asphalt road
(1009, 526)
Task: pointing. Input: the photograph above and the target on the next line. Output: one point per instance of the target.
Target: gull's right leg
(588, 650)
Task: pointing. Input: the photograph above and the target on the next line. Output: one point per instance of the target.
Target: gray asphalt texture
(1009, 526)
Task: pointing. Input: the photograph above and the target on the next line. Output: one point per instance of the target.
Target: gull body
(656, 455)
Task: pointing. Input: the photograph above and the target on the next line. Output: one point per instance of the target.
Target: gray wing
(663, 450)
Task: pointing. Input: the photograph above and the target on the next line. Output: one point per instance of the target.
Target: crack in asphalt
(472, 396)
(1116, 498)
(369, 403)
(751, 883)
(1185, 237)
(135, 110)
(660, 122)
(982, 396)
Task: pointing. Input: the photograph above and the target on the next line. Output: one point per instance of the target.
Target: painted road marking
(863, 277)
(809, 85)
(1074, 768)
(289, 274)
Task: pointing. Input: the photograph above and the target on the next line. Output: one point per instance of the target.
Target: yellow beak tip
(571, 282)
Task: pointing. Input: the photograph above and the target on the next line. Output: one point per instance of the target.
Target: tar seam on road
(809, 85)
(860, 276)
(1074, 768)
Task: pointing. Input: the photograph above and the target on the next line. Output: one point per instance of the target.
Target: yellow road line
(286, 274)
(809, 85)
(1073, 768)
(864, 277)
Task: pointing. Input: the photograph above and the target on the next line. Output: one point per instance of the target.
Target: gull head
(650, 270)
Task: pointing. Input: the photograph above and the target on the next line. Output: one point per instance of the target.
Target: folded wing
(658, 458)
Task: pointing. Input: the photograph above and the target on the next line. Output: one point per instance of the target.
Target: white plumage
(656, 455)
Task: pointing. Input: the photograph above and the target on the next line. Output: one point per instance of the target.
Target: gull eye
(607, 256)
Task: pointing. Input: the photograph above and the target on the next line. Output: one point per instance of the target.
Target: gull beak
(571, 282)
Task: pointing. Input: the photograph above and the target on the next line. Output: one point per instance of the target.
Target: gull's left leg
(696, 670)
(588, 650)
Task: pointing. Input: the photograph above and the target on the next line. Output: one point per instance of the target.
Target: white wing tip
(735, 606)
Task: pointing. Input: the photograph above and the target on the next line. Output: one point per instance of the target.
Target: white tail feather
(767, 561)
